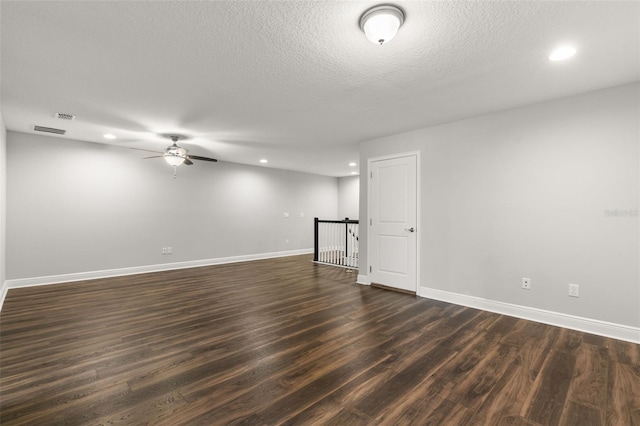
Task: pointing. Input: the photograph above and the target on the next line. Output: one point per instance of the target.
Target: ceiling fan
(176, 155)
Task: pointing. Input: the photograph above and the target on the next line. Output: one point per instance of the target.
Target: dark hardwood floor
(287, 341)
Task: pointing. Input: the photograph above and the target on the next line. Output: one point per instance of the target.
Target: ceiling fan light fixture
(381, 23)
(175, 155)
(174, 160)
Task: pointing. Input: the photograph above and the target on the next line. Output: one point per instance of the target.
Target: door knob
(412, 229)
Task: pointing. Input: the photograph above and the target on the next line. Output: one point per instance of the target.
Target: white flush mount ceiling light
(109, 136)
(561, 53)
(381, 23)
(264, 160)
(352, 164)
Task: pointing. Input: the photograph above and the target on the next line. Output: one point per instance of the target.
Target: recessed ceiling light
(264, 161)
(561, 53)
(352, 164)
(109, 136)
(354, 173)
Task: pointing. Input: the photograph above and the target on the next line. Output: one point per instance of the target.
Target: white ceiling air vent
(49, 130)
(63, 116)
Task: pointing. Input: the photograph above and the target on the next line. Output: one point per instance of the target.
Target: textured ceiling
(296, 82)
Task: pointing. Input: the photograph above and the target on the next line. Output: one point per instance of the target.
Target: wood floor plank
(354, 390)
(159, 408)
(578, 414)
(405, 381)
(347, 417)
(623, 387)
(416, 406)
(623, 352)
(447, 412)
(568, 341)
(590, 377)
(475, 388)
(550, 394)
(288, 341)
(504, 402)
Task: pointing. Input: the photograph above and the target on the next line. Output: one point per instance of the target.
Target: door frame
(418, 208)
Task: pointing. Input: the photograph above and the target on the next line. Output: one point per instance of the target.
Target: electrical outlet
(526, 283)
(574, 290)
(169, 250)
(285, 214)
(286, 241)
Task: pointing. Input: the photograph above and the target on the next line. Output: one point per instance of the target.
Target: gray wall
(80, 207)
(349, 197)
(532, 192)
(3, 203)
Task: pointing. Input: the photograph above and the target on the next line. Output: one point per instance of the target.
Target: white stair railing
(336, 242)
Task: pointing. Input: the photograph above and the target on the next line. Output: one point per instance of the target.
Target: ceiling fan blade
(197, 157)
(187, 162)
(153, 156)
(148, 150)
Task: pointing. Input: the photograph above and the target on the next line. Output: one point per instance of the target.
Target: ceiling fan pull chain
(175, 171)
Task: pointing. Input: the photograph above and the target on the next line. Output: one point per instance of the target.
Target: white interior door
(393, 223)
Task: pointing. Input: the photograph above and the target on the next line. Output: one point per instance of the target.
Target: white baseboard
(82, 276)
(4, 287)
(587, 325)
(363, 279)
